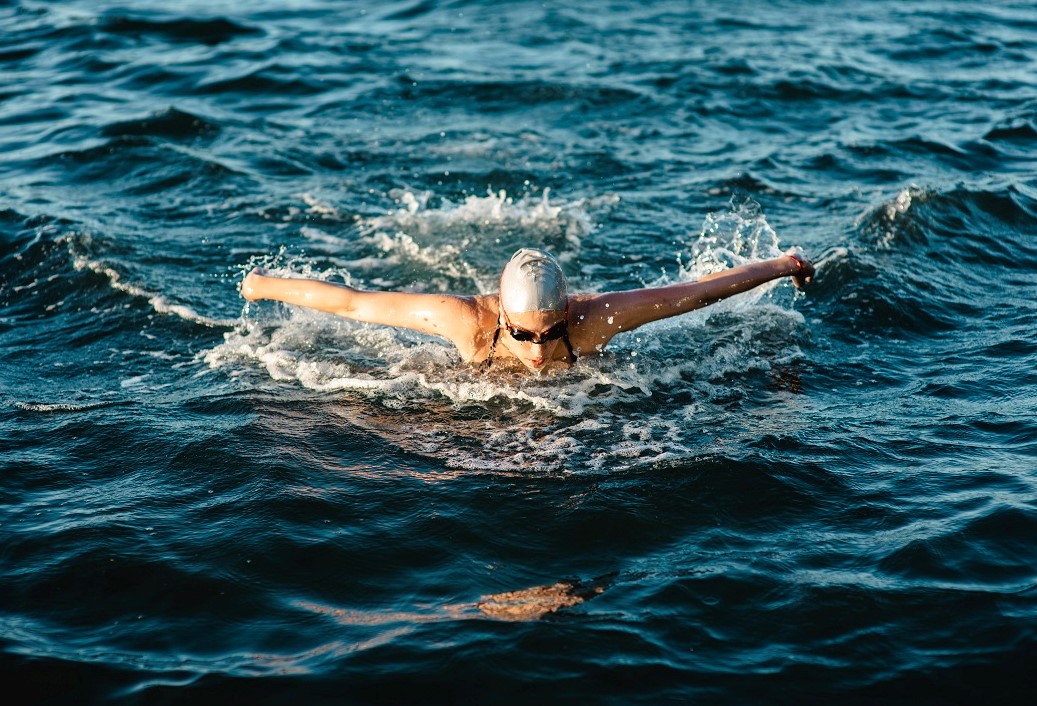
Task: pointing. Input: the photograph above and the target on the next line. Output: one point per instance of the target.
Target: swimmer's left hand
(804, 273)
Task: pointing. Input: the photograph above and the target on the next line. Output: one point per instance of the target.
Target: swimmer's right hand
(250, 285)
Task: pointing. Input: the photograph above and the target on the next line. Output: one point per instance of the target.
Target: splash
(731, 238)
(469, 241)
(644, 402)
(531, 214)
(737, 236)
(397, 367)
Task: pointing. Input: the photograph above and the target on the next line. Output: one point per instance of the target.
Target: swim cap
(532, 281)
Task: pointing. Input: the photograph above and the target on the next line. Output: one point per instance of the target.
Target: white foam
(319, 236)
(538, 422)
(135, 381)
(318, 207)
(447, 260)
(52, 407)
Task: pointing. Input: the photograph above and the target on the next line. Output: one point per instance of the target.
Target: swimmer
(532, 319)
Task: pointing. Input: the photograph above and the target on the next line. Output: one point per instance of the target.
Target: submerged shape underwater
(787, 497)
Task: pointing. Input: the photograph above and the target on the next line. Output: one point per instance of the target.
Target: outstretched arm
(605, 315)
(444, 315)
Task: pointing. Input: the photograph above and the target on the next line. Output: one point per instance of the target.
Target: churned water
(787, 498)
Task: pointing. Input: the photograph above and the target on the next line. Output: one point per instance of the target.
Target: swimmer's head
(532, 281)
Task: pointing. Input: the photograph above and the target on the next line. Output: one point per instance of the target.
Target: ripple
(514, 96)
(270, 81)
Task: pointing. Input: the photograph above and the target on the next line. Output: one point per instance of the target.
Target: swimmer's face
(534, 336)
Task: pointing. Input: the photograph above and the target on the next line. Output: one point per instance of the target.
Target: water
(786, 498)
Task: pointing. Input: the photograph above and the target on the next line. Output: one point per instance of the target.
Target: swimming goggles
(521, 334)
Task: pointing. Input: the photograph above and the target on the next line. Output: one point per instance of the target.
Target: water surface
(785, 498)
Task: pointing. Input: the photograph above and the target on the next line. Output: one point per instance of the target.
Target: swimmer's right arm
(437, 314)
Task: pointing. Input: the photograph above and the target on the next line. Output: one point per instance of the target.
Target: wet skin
(471, 322)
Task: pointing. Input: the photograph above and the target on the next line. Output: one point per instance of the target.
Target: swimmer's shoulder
(588, 324)
(477, 317)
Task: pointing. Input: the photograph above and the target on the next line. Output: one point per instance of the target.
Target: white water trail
(160, 303)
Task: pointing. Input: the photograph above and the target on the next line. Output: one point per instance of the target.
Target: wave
(139, 164)
(893, 220)
(170, 123)
(921, 262)
(492, 96)
(210, 31)
(271, 80)
(18, 232)
(983, 545)
(920, 221)
(1019, 130)
(160, 303)
(36, 281)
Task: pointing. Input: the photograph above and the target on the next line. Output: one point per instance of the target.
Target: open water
(788, 498)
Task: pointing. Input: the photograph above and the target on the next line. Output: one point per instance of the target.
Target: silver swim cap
(532, 281)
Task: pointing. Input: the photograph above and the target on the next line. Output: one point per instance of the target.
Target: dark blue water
(788, 498)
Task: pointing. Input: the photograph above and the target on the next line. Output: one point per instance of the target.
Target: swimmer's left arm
(605, 315)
